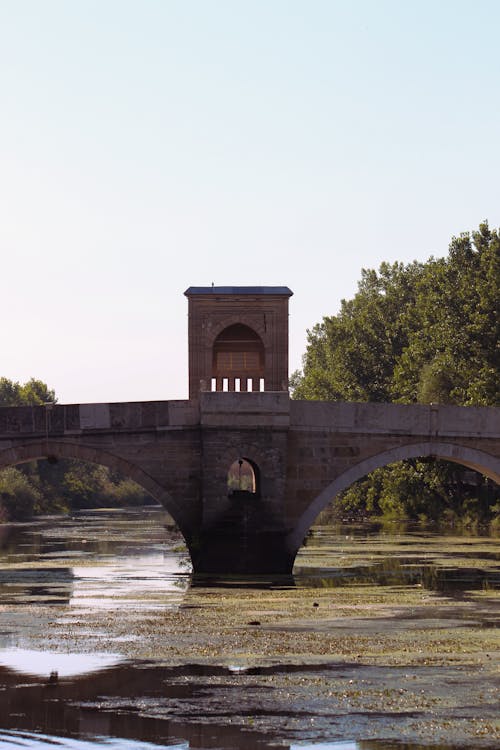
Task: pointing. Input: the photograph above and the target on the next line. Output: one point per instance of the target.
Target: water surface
(383, 639)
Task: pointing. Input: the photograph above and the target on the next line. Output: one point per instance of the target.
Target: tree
(18, 495)
(454, 343)
(33, 392)
(351, 356)
(416, 333)
(20, 491)
(9, 393)
(36, 392)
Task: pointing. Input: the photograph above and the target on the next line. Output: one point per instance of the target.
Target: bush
(18, 495)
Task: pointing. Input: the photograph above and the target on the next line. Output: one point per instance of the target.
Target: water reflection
(139, 580)
(41, 663)
(137, 706)
(30, 739)
(36, 585)
(327, 746)
(368, 745)
(394, 571)
(105, 560)
(339, 555)
(88, 534)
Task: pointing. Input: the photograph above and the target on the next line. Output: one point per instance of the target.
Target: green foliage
(43, 487)
(18, 495)
(9, 393)
(128, 492)
(86, 485)
(453, 349)
(422, 489)
(83, 484)
(351, 356)
(33, 392)
(425, 333)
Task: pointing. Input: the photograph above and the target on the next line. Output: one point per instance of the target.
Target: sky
(151, 145)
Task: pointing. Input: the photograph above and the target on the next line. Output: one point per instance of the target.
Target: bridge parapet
(265, 409)
(396, 419)
(76, 419)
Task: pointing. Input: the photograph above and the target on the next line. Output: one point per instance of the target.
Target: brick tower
(238, 338)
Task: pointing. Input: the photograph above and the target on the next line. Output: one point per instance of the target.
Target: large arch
(478, 460)
(237, 340)
(239, 358)
(40, 449)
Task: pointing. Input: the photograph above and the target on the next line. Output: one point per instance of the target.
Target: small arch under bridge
(304, 452)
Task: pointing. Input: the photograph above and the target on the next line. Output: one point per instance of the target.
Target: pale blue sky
(151, 145)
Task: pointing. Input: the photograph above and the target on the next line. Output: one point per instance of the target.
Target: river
(384, 638)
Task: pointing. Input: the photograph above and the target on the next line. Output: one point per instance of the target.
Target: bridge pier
(243, 531)
(241, 552)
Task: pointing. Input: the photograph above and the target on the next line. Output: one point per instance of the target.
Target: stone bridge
(301, 454)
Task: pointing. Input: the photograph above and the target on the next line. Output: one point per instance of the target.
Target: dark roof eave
(282, 291)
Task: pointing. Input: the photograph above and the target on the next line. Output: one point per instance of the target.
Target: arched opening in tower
(238, 360)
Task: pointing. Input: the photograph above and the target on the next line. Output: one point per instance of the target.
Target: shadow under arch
(479, 461)
(33, 450)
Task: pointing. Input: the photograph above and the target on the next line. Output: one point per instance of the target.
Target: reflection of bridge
(40, 713)
(302, 454)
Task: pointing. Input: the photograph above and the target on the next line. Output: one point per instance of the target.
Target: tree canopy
(33, 392)
(422, 332)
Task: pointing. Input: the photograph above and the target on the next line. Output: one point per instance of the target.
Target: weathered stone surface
(415, 419)
(214, 310)
(96, 417)
(264, 409)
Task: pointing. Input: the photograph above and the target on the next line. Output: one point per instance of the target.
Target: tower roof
(254, 290)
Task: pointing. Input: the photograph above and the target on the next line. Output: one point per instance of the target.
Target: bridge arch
(474, 459)
(39, 449)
